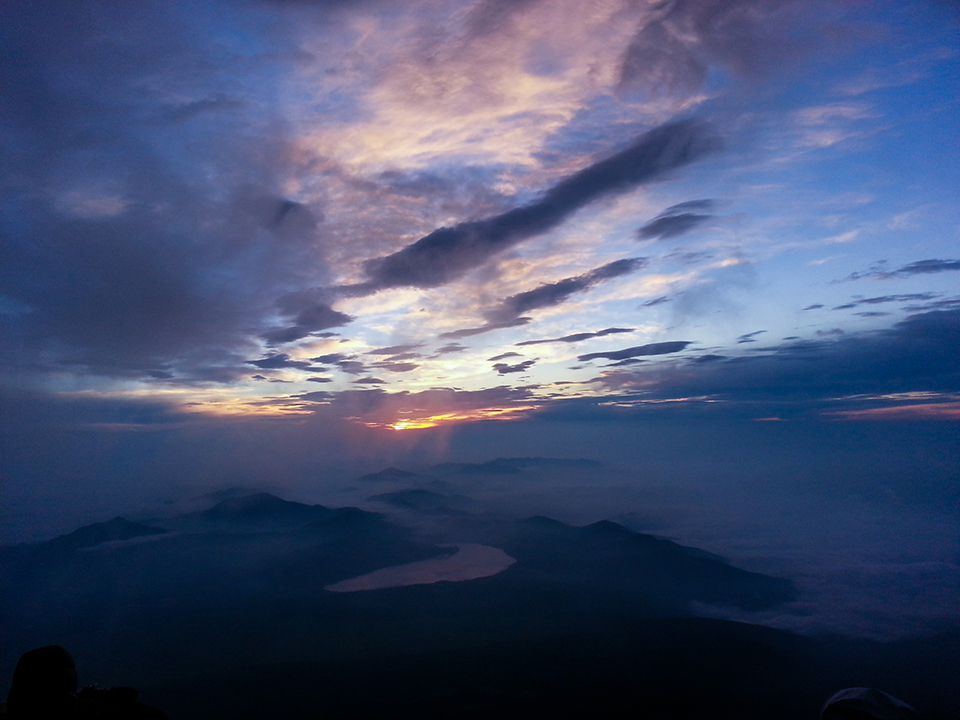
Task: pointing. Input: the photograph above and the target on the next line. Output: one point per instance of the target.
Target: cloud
(671, 226)
(689, 258)
(503, 356)
(577, 337)
(661, 348)
(945, 304)
(161, 201)
(677, 220)
(673, 50)
(395, 349)
(920, 267)
(214, 103)
(320, 396)
(656, 301)
(915, 354)
(330, 359)
(505, 315)
(923, 411)
(489, 327)
(280, 360)
(376, 405)
(749, 337)
(370, 381)
(307, 321)
(450, 348)
(628, 361)
(698, 205)
(906, 297)
(397, 367)
(352, 367)
(448, 253)
(405, 356)
(319, 379)
(505, 369)
(550, 294)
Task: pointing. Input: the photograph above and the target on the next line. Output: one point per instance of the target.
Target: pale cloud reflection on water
(470, 562)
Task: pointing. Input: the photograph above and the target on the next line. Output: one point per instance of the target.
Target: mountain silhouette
(96, 533)
(258, 512)
(606, 560)
(514, 466)
(424, 501)
(229, 617)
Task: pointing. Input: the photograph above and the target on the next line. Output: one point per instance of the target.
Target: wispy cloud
(550, 294)
(661, 348)
(576, 337)
(509, 312)
(916, 354)
(749, 337)
(448, 253)
(677, 220)
(281, 360)
(906, 297)
(505, 369)
(920, 267)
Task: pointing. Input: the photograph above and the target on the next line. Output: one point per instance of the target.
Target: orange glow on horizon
(418, 423)
(411, 424)
(927, 411)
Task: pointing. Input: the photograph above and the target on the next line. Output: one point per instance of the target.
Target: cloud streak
(448, 253)
(661, 348)
(550, 294)
(576, 337)
(920, 267)
(916, 354)
(506, 369)
(508, 313)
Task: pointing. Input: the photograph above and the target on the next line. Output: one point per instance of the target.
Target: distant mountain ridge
(259, 511)
(246, 579)
(580, 616)
(513, 466)
(425, 501)
(558, 565)
(97, 533)
(609, 559)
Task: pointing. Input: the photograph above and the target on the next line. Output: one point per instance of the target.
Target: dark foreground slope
(679, 668)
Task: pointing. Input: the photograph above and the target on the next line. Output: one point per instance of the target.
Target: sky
(280, 243)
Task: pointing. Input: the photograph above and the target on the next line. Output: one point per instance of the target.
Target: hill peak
(117, 528)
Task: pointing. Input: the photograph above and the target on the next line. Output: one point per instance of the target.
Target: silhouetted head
(44, 684)
(866, 704)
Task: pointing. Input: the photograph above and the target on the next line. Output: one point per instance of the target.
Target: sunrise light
(429, 421)
(357, 351)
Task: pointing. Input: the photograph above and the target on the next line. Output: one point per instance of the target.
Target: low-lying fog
(863, 517)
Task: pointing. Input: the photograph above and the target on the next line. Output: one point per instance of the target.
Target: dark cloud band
(448, 253)
(677, 220)
(551, 294)
(576, 337)
(661, 348)
(920, 267)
